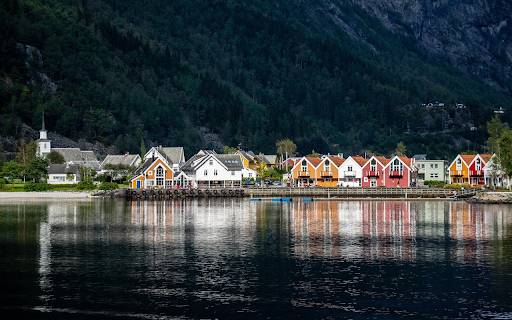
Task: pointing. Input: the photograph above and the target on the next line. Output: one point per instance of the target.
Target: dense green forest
(122, 71)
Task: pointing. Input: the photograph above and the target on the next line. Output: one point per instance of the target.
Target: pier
(313, 192)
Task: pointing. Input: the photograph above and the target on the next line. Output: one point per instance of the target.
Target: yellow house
(469, 169)
(327, 172)
(154, 173)
(304, 171)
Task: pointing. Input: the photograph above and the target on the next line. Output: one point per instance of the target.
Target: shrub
(42, 186)
(434, 183)
(82, 185)
(456, 186)
(108, 186)
(2, 184)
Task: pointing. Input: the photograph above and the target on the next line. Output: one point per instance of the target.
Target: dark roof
(420, 157)
(143, 168)
(231, 161)
(124, 159)
(63, 168)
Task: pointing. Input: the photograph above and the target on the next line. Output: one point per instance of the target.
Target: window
(423, 166)
(436, 166)
(459, 164)
(232, 173)
(434, 175)
(250, 175)
(349, 168)
(431, 166)
(327, 165)
(304, 166)
(159, 172)
(365, 179)
(215, 172)
(211, 162)
(373, 165)
(159, 181)
(150, 173)
(205, 172)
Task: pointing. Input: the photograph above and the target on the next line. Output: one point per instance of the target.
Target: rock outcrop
(491, 198)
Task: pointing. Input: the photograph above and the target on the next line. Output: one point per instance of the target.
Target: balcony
(303, 174)
(456, 173)
(477, 173)
(326, 173)
(372, 174)
(396, 174)
(350, 173)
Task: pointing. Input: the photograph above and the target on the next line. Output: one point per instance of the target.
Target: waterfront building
(468, 169)
(351, 172)
(63, 173)
(431, 170)
(400, 172)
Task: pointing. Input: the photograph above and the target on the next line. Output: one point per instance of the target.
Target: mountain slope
(327, 74)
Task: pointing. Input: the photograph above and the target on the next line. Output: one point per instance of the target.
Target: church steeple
(43, 144)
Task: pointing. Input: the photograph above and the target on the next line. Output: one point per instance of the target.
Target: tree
(505, 157)
(26, 152)
(260, 168)
(286, 147)
(401, 149)
(12, 170)
(86, 174)
(315, 154)
(495, 129)
(469, 152)
(142, 149)
(37, 169)
(230, 150)
(55, 158)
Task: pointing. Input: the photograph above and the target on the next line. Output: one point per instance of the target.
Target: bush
(42, 186)
(108, 186)
(2, 184)
(457, 186)
(434, 183)
(82, 185)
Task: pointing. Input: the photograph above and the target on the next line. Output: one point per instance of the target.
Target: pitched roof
(75, 154)
(336, 160)
(360, 161)
(143, 167)
(314, 161)
(174, 154)
(408, 161)
(272, 158)
(383, 160)
(121, 159)
(231, 161)
(486, 157)
(63, 168)
(467, 158)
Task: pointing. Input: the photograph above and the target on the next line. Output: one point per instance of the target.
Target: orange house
(304, 171)
(154, 173)
(468, 169)
(327, 173)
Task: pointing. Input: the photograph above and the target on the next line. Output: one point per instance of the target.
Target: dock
(310, 193)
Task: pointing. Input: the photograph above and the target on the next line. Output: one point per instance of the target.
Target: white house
(494, 174)
(351, 172)
(173, 156)
(63, 174)
(214, 170)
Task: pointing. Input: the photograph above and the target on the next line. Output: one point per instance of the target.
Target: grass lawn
(9, 187)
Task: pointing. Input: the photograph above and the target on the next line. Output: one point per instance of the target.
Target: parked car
(267, 181)
(277, 183)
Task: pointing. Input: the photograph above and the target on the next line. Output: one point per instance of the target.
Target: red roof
(336, 160)
(382, 160)
(360, 161)
(407, 161)
(468, 158)
(314, 161)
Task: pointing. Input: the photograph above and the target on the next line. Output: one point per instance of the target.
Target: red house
(400, 172)
(373, 172)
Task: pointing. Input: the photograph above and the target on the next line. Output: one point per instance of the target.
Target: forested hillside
(166, 72)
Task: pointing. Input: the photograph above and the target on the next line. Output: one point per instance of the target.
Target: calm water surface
(237, 259)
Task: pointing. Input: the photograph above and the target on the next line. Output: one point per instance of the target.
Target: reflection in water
(233, 258)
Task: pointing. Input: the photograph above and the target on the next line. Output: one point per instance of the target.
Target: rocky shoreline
(491, 198)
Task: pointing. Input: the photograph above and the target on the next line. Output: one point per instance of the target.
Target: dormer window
(159, 172)
(327, 165)
(211, 162)
(478, 165)
(458, 164)
(373, 165)
(304, 165)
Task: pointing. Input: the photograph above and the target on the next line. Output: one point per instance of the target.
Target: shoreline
(50, 195)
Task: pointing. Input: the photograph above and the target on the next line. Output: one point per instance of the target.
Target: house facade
(373, 172)
(400, 172)
(304, 171)
(494, 175)
(214, 170)
(432, 170)
(154, 173)
(351, 173)
(63, 174)
(468, 169)
(327, 172)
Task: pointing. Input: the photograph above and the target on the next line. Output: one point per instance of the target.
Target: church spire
(43, 128)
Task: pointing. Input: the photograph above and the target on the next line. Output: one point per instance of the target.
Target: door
(138, 184)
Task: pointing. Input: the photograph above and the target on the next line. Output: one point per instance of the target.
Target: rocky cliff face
(473, 35)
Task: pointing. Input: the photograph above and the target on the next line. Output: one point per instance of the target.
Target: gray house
(430, 169)
(63, 173)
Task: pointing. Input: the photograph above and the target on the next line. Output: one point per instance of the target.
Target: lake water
(237, 259)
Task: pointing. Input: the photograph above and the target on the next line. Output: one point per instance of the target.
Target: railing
(303, 174)
(326, 173)
(350, 173)
(476, 173)
(395, 174)
(372, 173)
(456, 173)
